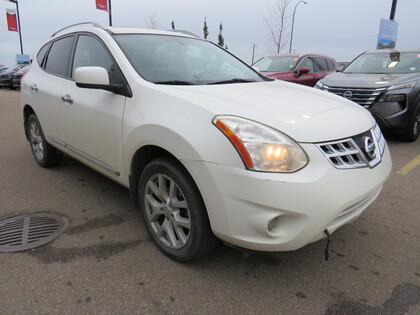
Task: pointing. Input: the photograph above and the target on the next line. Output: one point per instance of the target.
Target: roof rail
(185, 32)
(77, 24)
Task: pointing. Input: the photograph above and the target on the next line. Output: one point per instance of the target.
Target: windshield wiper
(175, 82)
(234, 80)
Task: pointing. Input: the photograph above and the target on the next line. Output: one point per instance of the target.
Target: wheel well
(27, 111)
(141, 158)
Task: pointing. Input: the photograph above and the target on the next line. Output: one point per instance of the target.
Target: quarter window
(58, 58)
(41, 54)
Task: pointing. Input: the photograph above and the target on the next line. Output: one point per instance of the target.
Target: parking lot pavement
(105, 262)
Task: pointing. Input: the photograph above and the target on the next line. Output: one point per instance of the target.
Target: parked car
(17, 76)
(387, 83)
(6, 77)
(209, 148)
(304, 69)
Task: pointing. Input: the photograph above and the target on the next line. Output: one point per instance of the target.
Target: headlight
(408, 85)
(262, 148)
(320, 85)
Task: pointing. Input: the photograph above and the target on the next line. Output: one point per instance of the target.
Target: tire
(174, 211)
(413, 130)
(45, 154)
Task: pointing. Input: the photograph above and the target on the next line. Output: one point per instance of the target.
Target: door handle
(67, 99)
(34, 88)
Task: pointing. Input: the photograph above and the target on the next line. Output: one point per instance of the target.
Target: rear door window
(320, 64)
(58, 58)
(330, 65)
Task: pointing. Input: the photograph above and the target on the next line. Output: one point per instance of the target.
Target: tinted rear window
(57, 61)
(320, 64)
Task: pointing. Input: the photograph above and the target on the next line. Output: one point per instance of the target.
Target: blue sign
(22, 59)
(388, 31)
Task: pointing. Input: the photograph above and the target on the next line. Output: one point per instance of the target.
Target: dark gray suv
(387, 83)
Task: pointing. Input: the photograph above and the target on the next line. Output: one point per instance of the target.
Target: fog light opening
(273, 226)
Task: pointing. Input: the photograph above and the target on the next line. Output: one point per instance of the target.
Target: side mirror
(303, 70)
(340, 69)
(95, 78)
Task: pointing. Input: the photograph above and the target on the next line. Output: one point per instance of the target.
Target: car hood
(303, 113)
(22, 71)
(9, 71)
(368, 80)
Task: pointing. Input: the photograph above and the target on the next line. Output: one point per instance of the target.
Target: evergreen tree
(173, 24)
(205, 29)
(221, 42)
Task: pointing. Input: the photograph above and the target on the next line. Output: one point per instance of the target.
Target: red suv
(304, 69)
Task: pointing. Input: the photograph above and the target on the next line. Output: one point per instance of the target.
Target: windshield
(385, 62)
(277, 64)
(164, 59)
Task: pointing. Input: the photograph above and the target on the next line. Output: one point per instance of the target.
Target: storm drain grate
(29, 231)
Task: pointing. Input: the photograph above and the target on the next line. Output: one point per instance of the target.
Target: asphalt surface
(106, 263)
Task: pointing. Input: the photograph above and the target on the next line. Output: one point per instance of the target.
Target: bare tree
(277, 24)
(152, 22)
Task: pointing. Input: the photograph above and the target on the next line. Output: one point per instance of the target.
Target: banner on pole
(102, 5)
(23, 59)
(387, 37)
(12, 24)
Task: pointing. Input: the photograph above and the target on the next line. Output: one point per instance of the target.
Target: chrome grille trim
(362, 96)
(343, 154)
(348, 154)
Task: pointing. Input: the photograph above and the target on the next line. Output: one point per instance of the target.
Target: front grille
(362, 96)
(17, 77)
(4, 76)
(363, 150)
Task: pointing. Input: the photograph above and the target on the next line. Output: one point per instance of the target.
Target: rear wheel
(45, 154)
(413, 130)
(174, 211)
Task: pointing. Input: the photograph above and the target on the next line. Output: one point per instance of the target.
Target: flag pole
(18, 20)
(110, 13)
(20, 30)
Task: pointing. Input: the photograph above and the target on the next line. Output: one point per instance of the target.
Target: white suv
(209, 148)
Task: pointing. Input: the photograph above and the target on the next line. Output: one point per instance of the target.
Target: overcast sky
(339, 28)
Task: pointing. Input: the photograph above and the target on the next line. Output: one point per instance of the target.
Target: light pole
(293, 23)
(18, 18)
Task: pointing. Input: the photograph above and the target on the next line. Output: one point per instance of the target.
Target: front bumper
(6, 83)
(16, 83)
(281, 212)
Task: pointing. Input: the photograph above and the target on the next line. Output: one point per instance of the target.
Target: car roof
(93, 26)
(298, 55)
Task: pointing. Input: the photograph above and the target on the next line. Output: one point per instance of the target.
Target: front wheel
(45, 154)
(413, 129)
(174, 211)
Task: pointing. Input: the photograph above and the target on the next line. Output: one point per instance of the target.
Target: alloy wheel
(36, 141)
(167, 211)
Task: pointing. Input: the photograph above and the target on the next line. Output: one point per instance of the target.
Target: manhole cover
(29, 231)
